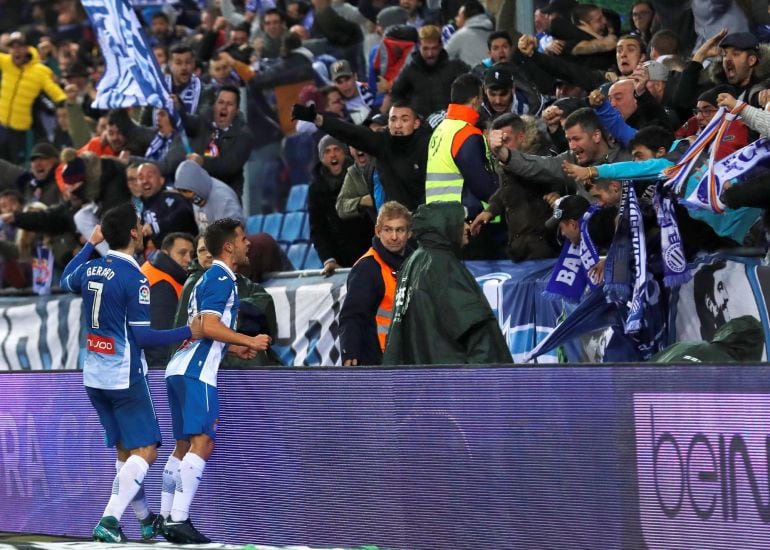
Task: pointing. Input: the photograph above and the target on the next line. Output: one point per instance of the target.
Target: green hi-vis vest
(443, 181)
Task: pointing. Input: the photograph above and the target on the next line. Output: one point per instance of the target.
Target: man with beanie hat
(339, 242)
(212, 199)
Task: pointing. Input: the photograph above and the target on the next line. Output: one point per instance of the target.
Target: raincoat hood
(439, 225)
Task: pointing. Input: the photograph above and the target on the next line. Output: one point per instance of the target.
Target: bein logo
(101, 344)
(702, 469)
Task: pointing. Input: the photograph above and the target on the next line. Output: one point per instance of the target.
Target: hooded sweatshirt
(739, 340)
(469, 44)
(440, 315)
(213, 200)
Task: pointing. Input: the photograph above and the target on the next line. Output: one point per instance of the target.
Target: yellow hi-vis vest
(443, 181)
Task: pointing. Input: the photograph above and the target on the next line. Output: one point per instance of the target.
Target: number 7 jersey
(116, 296)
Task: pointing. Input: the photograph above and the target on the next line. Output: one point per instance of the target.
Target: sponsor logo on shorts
(144, 294)
(101, 344)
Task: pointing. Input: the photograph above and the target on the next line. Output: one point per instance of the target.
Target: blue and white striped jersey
(116, 296)
(216, 293)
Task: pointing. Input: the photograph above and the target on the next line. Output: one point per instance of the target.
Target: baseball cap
(740, 40)
(570, 207)
(340, 68)
(657, 70)
(17, 38)
(563, 7)
(44, 151)
(379, 118)
(497, 77)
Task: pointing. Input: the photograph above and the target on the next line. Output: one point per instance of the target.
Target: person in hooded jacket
(440, 314)
(212, 199)
(469, 43)
(739, 340)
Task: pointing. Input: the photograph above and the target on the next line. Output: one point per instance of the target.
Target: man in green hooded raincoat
(440, 315)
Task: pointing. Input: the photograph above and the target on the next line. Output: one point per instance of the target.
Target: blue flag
(132, 76)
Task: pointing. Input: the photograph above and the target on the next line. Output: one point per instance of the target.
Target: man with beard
(339, 242)
(587, 146)
(182, 82)
(401, 150)
(740, 60)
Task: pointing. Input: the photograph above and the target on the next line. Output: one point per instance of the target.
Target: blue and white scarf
(627, 255)
(570, 273)
(675, 270)
(190, 95)
(159, 147)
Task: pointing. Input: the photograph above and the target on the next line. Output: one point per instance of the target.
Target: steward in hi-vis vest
(371, 288)
(458, 168)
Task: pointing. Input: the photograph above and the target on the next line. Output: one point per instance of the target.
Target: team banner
(43, 333)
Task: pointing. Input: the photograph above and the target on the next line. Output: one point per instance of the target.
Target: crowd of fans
(376, 87)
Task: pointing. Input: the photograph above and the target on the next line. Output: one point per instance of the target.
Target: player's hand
(96, 235)
(260, 342)
(482, 219)
(329, 268)
(726, 100)
(242, 352)
(196, 327)
(350, 363)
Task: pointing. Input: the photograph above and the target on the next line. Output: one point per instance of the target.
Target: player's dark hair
(464, 88)
(117, 224)
(218, 233)
(170, 239)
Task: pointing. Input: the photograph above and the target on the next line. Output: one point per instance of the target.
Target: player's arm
(68, 279)
(150, 337)
(213, 329)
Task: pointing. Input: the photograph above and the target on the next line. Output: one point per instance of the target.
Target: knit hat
(328, 141)
(392, 15)
(710, 96)
(74, 171)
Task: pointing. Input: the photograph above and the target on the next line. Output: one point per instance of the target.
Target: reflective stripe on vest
(443, 181)
(385, 309)
(155, 275)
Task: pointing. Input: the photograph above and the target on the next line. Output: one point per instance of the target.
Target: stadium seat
(312, 261)
(296, 254)
(272, 224)
(305, 235)
(254, 224)
(292, 227)
(297, 198)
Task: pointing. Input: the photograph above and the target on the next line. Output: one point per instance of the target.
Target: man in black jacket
(338, 242)
(371, 287)
(426, 80)
(163, 211)
(401, 150)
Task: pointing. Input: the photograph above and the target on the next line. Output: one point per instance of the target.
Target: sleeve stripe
(212, 312)
(139, 323)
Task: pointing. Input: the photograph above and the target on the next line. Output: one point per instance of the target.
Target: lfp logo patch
(144, 294)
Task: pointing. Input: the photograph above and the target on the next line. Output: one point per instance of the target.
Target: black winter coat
(333, 237)
(426, 86)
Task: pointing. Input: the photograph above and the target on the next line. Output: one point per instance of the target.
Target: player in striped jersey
(191, 376)
(116, 311)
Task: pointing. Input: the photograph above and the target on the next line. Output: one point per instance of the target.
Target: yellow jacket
(19, 88)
